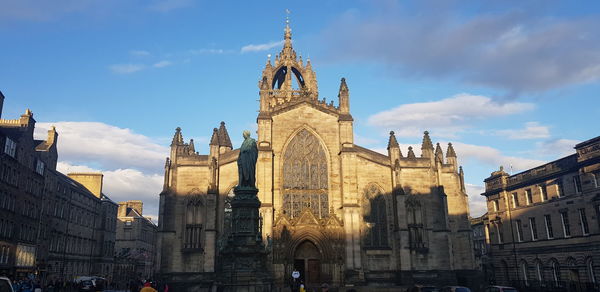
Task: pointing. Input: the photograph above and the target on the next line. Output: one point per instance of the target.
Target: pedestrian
(148, 288)
(324, 287)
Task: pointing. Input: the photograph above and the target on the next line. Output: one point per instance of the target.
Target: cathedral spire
(426, 146)
(392, 143)
(287, 36)
(224, 136)
(344, 97)
(177, 138)
(214, 140)
(439, 155)
(411, 153)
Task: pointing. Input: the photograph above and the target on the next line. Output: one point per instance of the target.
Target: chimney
(92, 181)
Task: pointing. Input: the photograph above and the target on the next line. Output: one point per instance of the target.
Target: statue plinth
(243, 259)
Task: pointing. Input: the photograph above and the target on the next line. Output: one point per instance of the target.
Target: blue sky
(508, 82)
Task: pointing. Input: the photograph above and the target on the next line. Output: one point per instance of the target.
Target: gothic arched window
(414, 220)
(305, 179)
(375, 217)
(193, 223)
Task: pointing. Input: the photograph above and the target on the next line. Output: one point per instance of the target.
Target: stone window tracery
(305, 178)
(193, 224)
(414, 219)
(375, 217)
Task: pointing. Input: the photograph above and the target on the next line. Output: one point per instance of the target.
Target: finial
(392, 143)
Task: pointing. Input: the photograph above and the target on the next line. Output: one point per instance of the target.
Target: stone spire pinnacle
(411, 153)
(450, 152)
(224, 136)
(177, 138)
(214, 140)
(426, 146)
(439, 155)
(344, 97)
(191, 146)
(392, 143)
(287, 36)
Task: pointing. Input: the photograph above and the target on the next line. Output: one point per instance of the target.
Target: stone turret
(451, 156)
(411, 153)
(344, 97)
(214, 143)
(224, 140)
(177, 138)
(426, 146)
(393, 148)
(439, 155)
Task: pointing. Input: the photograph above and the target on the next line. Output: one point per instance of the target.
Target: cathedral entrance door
(307, 260)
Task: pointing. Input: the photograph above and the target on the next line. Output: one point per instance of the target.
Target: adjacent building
(135, 243)
(544, 223)
(331, 209)
(481, 247)
(52, 225)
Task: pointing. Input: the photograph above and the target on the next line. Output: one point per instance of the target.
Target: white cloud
(510, 47)
(447, 117)
(126, 184)
(162, 64)
(556, 148)
(139, 53)
(169, 5)
(208, 51)
(492, 157)
(532, 130)
(477, 202)
(261, 47)
(126, 68)
(105, 146)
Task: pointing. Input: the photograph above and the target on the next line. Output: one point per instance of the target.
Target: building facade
(544, 223)
(136, 243)
(336, 212)
(52, 226)
(481, 247)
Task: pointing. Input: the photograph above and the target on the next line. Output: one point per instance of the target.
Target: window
(583, 221)
(577, 183)
(376, 218)
(544, 192)
(565, 222)
(519, 230)
(524, 272)
(515, 199)
(415, 224)
(533, 228)
(193, 227)
(559, 188)
(538, 271)
(549, 231)
(590, 270)
(555, 272)
(39, 167)
(496, 205)
(499, 232)
(10, 147)
(528, 196)
(596, 178)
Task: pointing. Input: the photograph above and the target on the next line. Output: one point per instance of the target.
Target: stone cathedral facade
(337, 212)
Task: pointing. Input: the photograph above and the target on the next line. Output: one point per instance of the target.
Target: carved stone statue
(247, 162)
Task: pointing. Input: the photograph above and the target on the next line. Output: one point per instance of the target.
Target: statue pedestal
(243, 259)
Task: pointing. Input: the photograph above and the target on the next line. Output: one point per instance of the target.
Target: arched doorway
(307, 260)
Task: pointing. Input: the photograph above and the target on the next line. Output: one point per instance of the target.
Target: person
(302, 288)
(324, 287)
(148, 288)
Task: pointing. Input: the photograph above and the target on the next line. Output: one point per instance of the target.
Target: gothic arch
(281, 73)
(304, 171)
(317, 238)
(375, 215)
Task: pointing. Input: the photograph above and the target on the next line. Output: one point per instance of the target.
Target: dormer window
(10, 147)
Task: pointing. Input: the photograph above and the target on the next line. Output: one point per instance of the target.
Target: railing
(552, 286)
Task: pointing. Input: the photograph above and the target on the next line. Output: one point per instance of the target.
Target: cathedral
(332, 210)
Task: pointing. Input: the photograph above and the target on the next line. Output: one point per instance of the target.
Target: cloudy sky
(510, 83)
